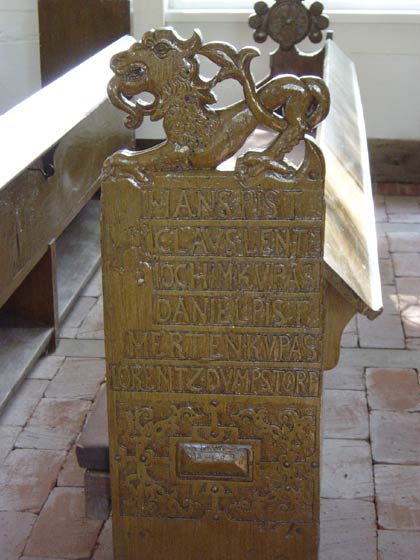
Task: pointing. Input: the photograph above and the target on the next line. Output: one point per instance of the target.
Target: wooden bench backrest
(70, 124)
(350, 249)
(214, 295)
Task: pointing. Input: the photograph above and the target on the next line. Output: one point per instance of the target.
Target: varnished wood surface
(21, 346)
(350, 235)
(35, 210)
(73, 30)
(201, 508)
(394, 161)
(45, 117)
(78, 256)
(24, 340)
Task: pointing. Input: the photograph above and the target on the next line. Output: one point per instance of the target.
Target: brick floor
(370, 507)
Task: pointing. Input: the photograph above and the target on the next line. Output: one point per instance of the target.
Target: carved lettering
(236, 310)
(231, 203)
(239, 241)
(232, 276)
(230, 380)
(250, 347)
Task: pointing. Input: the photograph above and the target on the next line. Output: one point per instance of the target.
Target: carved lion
(198, 136)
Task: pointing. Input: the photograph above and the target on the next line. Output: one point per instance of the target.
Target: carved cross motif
(288, 22)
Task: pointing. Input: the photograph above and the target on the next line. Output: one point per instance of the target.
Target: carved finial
(288, 22)
(167, 67)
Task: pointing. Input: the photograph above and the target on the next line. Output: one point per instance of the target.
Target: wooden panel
(395, 161)
(350, 235)
(23, 339)
(36, 210)
(21, 345)
(214, 347)
(31, 302)
(97, 495)
(52, 112)
(73, 30)
(92, 446)
(78, 256)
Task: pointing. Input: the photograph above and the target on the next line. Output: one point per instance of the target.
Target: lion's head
(154, 65)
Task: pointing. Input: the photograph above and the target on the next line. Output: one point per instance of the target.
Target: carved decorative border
(284, 451)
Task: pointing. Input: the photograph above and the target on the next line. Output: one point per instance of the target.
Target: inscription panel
(158, 377)
(214, 356)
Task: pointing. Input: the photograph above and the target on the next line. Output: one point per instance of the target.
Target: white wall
(19, 51)
(386, 50)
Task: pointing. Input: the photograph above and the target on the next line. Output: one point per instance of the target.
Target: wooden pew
(350, 250)
(224, 300)
(351, 267)
(53, 146)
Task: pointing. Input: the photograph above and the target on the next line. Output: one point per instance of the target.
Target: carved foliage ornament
(199, 137)
(288, 22)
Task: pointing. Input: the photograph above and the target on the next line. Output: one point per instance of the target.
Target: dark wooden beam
(394, 161)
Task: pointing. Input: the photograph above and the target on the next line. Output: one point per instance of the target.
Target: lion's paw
(123, 166)
(252, 165)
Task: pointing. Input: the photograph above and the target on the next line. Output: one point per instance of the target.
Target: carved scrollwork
(199, 137)
(279, 474)
(288, 22)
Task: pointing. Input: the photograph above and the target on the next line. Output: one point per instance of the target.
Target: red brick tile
(393, 389)
(79, 378)
(345, 415)
(26, 478)
(411, 322)
(15, 528)
(94, 288)
(385, 332)
(71, 474)
(345, 377)
(413, 343)
(39, 558)
(349, 340)
(395, 437)
(398, 545)
(104, 549)
(383, 249)
(402, 205)
(76, 317)
(78, 313)
(348, 530)
(23, 403)
(46, 367)
(387, 272)
(408, 290)
(387, 188)
(380, 209)
(398, 496)
(54, 424)
(404, 218)
(347, 470)
(404, 241)
(8, 436)
(390, 300)
(62, 531)
(93, 326)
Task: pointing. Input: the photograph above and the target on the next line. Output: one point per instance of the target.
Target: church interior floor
(370, 488)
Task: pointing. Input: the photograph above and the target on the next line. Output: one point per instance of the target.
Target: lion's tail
(320, 104)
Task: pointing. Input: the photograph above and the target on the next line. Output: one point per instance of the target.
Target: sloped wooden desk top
(350, 249)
